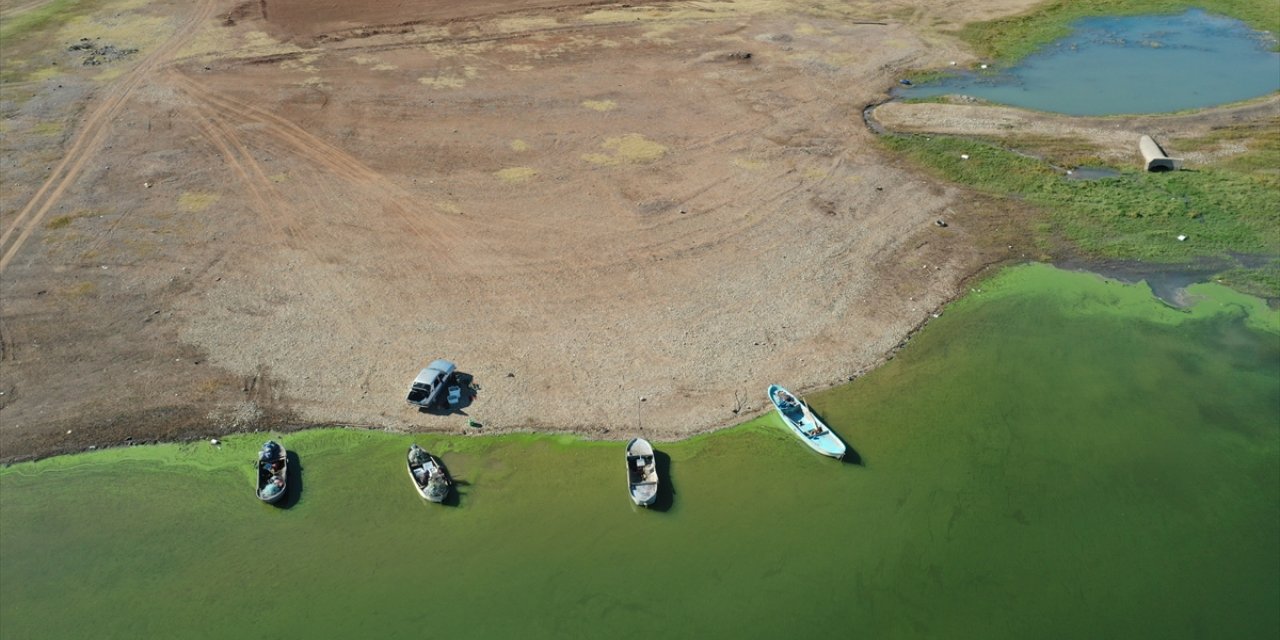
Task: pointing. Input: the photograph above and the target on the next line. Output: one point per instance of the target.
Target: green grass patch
(1262, 138)
(926, 76)
(54, 13)
(1137, 215)
(1261, 281)
(47, 128)
(62, 222)
(1009, 39)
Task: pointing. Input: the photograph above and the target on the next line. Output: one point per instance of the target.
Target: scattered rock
(100, 54)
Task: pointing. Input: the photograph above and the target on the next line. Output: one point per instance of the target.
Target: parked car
(426, 388)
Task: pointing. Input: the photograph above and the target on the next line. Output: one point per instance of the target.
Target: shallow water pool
(1141, 64)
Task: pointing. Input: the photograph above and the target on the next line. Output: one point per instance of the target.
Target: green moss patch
(1136, 215)
(1012, 38)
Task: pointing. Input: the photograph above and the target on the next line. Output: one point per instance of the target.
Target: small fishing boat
(802, 421)
(642, 472)
(429, 475)
(273, 472)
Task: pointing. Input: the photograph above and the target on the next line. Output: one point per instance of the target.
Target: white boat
(802, 421)
(273, 472)
(642, 472)
(429, 476)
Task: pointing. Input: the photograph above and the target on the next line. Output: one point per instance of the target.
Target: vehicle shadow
(293, 482)
(469, 391)
(666, 486)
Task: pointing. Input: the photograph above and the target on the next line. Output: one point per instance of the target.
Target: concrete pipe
(1154, 157)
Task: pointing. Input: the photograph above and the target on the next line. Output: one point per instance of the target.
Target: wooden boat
(273, 472)
(802, 421)
(642, 472)
(428, 474)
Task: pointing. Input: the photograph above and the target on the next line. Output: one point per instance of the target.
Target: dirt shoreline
(607, 214)
(1111, 138)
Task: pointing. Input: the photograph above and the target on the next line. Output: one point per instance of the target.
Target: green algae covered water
(1057, 456)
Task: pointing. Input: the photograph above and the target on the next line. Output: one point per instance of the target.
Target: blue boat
(802, 421)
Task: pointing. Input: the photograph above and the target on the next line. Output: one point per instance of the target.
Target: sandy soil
(617, 218)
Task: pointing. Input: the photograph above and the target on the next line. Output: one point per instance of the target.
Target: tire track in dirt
(443, 234)
(255, 182)
(13, 12)
(91, 135)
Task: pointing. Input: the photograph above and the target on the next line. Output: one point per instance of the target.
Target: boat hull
(266, 474)
(434, 470)
(642, 472)
(806, 425)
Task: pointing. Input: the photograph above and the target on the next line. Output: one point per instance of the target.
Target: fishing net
(437, 488)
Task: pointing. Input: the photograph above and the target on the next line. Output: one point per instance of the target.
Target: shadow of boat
(851, 455)
(293, 482)
(454, 498)
(666, 487)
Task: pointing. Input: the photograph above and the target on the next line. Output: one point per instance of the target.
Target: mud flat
(273, 217)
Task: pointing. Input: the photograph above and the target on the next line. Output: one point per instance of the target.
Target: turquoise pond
(1058, 456)
(1143, 64)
